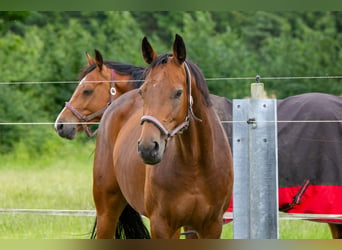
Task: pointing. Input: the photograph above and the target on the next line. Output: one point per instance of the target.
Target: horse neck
(125, 83)
(127, 86)
(198, 138)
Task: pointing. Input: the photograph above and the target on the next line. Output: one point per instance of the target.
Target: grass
(26, 226)
(292, 229)
(62, 179)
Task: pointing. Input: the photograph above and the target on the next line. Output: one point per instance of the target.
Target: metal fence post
(255, 194)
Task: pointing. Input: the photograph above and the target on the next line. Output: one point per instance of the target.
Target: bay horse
(101, 82)
(184, 179)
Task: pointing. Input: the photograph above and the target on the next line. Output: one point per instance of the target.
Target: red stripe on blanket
(316, 199)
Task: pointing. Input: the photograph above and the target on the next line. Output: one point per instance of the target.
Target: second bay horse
(101, 82)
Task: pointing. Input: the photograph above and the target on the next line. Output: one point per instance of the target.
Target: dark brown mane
(195, 71)
(136, 72)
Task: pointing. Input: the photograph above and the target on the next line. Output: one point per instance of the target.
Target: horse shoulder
(121, 109)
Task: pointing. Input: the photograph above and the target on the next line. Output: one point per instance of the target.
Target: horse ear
(148, 52)
(179, 51)
(98, 59)
(89, 59)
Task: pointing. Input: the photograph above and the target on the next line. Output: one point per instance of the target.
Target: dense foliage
(50, 46)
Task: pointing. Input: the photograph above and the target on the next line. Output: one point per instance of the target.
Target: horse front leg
(108, 212)
(211, 230)
(109, 204)
(160, 229)
(106, 224)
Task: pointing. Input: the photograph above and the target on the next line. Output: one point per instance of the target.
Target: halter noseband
(86, 118)
(185, 124)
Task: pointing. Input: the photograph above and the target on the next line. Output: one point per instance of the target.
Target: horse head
(166, 97)
(100, 84)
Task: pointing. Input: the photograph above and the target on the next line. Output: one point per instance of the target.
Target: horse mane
(195, 72)
(137, 72)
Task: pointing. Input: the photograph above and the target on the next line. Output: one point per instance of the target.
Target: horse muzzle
(66, 130)
(151, 151)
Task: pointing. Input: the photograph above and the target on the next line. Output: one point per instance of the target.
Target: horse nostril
(156, 146)
(60, 126)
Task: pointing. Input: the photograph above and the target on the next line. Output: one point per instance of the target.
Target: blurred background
(42, 54)
(50, 46)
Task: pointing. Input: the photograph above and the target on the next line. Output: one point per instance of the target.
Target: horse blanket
(310, 154)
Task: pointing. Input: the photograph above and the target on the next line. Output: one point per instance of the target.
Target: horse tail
(93, 231)
(131, 225)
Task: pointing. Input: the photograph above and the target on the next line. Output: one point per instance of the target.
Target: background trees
(50, 46)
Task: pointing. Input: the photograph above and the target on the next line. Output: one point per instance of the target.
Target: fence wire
(227, 215)
(207, 79)
(92, 213)
(224, 122)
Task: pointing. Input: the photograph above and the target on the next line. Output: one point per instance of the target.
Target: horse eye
(178, 93)
(88, 92)
(140, 92)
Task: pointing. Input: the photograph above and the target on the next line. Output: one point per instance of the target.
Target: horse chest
(163, 187)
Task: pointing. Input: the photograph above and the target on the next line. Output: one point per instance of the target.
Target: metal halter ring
(113, 91)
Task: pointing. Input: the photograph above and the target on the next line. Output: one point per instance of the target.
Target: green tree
(50, 46)
(311, 50)
(219, 55)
